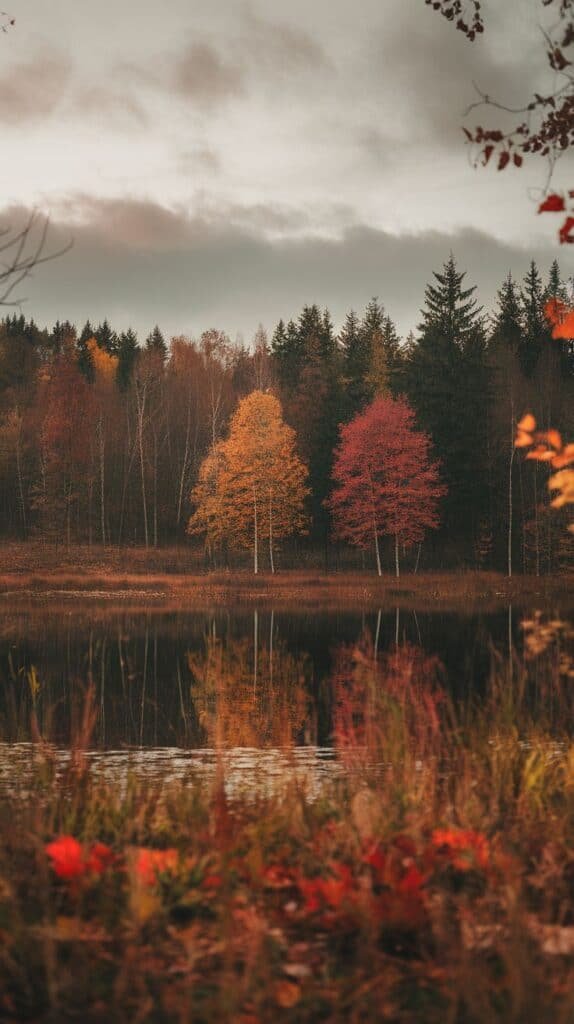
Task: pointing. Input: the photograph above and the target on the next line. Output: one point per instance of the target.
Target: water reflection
(237, 679)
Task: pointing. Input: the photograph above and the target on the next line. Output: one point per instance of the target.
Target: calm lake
(168, 689)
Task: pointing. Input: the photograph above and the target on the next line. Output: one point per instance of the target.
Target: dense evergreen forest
(102, 439)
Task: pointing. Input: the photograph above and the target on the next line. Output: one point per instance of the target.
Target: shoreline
(461, 592)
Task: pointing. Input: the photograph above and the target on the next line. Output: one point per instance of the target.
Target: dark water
(237, 679)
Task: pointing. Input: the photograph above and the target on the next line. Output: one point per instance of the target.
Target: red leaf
(503, 160)
(517, 160)
(566, 233)
(552, 204)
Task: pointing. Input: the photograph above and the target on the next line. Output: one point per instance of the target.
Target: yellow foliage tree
(252, 484)
(105, 369)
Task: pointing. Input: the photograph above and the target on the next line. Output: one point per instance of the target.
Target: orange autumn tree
(548, 445)
(252, 485)
(105, 369)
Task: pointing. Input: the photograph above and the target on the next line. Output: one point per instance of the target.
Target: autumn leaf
(566, 233)
(554, 203)
(527, 423)
(287, 994)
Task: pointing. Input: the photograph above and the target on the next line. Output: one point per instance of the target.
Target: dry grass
(432, 882)
(173, 578)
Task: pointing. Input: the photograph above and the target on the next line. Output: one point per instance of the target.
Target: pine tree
(507, 321)
(288, 351)
(446, 376)
(84, 355)
(354, 359)
(106, 338)
(534, 325)
(557, 289)
(127, 355)
(451, 312)
(155, 342)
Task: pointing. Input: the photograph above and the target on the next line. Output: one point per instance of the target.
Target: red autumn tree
(386, 482)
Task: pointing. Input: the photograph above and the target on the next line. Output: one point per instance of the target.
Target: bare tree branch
(546, 125)
(21, 252)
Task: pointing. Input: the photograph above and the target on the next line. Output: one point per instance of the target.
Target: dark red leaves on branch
(465, 13)
(545, 126)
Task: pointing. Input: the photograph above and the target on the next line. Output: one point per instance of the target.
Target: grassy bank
(431, 881)
(173, 578)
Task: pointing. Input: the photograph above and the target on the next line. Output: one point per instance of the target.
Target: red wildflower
(150, 864)
(275, 876)
(99, 858)
(465, 848)
(328, 892)
(411, 883)
(67, 857)
(376, 858)
(212, 882)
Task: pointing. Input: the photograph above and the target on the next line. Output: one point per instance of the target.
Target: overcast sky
(218, 164)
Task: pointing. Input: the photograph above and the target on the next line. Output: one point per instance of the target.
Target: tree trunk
(418, 559)
(377, 632)
(255, 647)
(185, 460)
(255, 536)
(397, 569)
(20, 484)
(375, 530)
(536, 520)
(513, 450)
(377, 552)
(154, 489)
(141, 408)
(101, 446)
(271, 562)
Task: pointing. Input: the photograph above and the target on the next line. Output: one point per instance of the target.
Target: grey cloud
(206, 77)
(31, 90)
(139, 264)
(116, 110)
(430, 70)
(141, 224)
(260, 50)
(280, 48)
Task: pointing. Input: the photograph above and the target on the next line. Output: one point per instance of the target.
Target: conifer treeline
(101, 439)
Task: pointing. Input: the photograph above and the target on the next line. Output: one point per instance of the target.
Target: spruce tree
(354, 364)
(127, 355)
(507, 320)
(85, 361)
(447, 378)
(287, 350)
(155, 342)
(106, 338)
(451, 312)
(534, 324)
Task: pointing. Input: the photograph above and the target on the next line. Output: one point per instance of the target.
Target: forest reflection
(239, 679)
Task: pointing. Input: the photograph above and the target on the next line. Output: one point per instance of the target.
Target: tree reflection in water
(251, 692)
